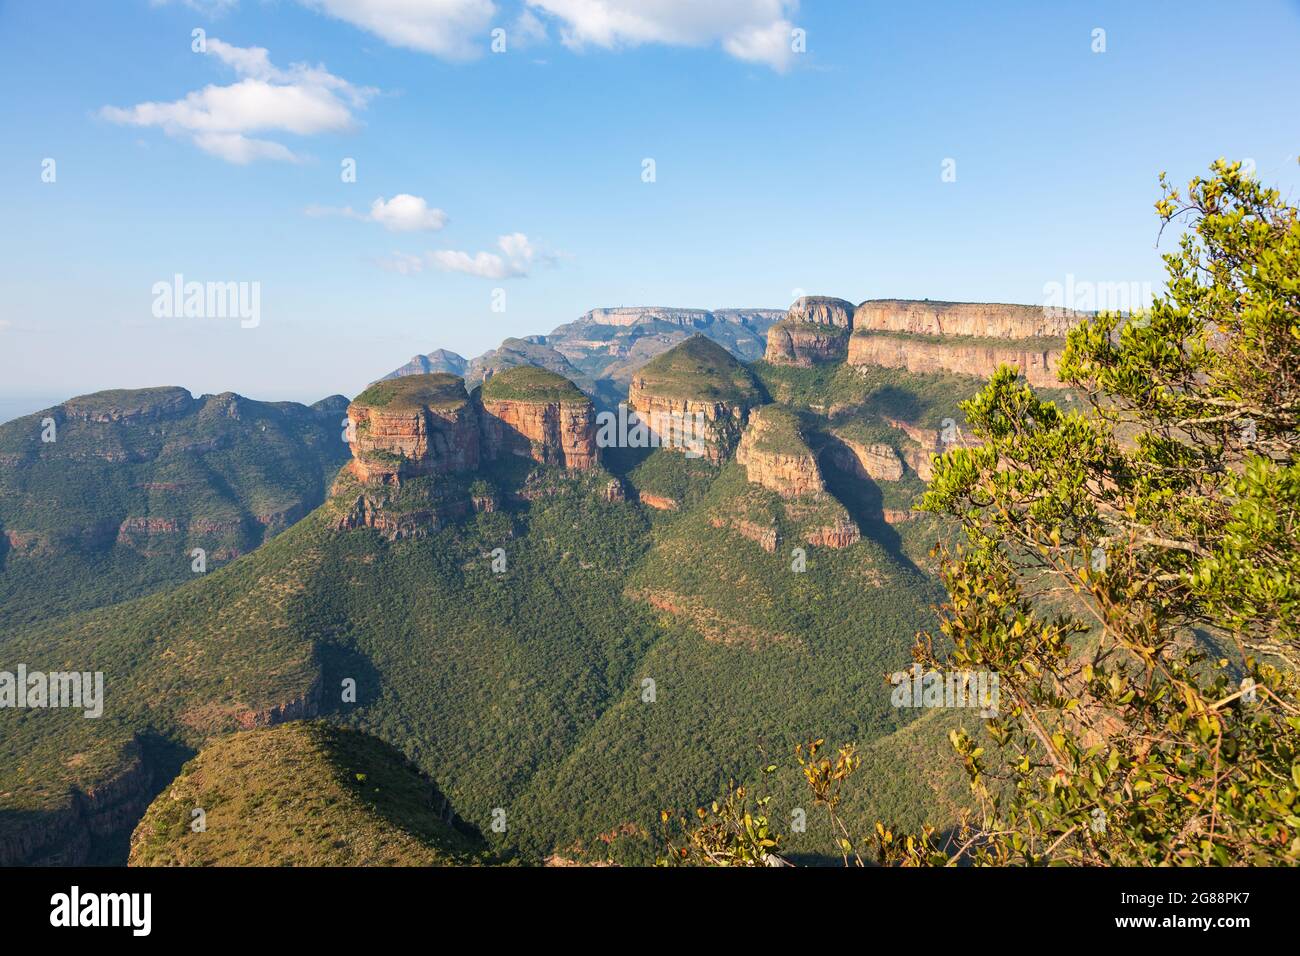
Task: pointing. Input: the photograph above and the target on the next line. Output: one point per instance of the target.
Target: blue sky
(775, 170)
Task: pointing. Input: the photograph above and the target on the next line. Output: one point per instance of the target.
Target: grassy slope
(300, 794)
(702, 370)
(528, 383)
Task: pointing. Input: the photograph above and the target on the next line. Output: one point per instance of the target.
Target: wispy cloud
(757, 31)
(402, 213)
(452, 29)
(516, 254)
(302, 100)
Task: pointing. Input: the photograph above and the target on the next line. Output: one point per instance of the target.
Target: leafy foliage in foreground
(1169, 507)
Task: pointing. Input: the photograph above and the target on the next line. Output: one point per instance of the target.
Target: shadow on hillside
(863, 500)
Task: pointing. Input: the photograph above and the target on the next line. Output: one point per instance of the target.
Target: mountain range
(566, 632)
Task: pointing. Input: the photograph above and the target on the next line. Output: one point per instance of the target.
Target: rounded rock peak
(530, 383)
(822, 310)
(698, 369)
(436, 390)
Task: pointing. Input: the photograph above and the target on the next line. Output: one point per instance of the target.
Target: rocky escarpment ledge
(989, 320)
(413, 426)
(815, 330)
(776, 457)
(979, 358)
(538, 414)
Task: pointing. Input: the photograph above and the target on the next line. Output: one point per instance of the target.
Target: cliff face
(980, 319)
(805, 344)
(554, 433)
(822, 310)
(66, 835)
(696, 381)
(927, 356)
(412, 426)
(776, 458)
(876, 460)
(815, 330)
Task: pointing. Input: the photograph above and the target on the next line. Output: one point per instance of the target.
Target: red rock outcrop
(413, 426)
(990, 320)
(822, 310)
(553, 433)
(803, 344)
(776, 457)
(874, 460)
(1038, 366)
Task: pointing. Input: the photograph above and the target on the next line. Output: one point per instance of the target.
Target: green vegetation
(778, 432)
(136, 480)
(1042, 343)
(409, 392)
(527, 383)
(702, 370)
(1168, 508)
(300, 794)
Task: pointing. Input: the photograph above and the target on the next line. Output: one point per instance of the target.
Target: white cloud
(402, 213)
(406, 213)
(302, 100)
(453, 29)
(753, 30)
(516, 255)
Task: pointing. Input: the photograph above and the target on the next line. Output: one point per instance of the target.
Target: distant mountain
(439, 360)
(602, 349)
(106, 496)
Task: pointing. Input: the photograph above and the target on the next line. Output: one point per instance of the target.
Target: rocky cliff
(814, 331)
(874, 460)
(775, 455)
(804, 344)
(413, 426)
(700, 388)
(990, 320)
(822, 310)
(927, 355)
(539, 414)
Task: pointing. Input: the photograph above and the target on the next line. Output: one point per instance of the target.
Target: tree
(1130, 572)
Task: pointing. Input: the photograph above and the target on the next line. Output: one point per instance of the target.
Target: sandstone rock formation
(815, 330)
(539, 414)
(804, 344)
(696, 382)
(775, 455)
(412, 426)
(822, 310)
(990, 320)
(922, 355)
(874, 460)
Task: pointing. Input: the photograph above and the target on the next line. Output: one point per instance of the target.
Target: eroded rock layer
(926, 356)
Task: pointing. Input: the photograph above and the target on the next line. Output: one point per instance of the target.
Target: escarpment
(418, 442)
(989, 320)
(695, 398)
(413, 426)
(924, 337)
(926, 356)
(538, 414)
